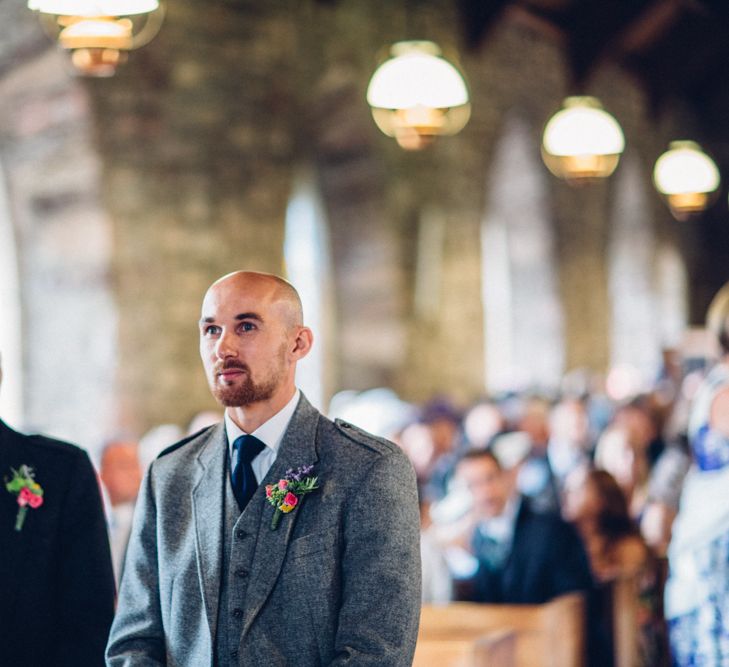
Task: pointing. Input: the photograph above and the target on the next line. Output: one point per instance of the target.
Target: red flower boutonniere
(287, 493)
(29, 493)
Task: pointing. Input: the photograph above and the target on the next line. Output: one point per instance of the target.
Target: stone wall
(132, 194)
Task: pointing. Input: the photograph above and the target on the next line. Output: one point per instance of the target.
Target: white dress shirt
(270, 433)
(501, 528)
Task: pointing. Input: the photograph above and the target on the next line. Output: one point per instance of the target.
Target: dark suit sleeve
(137, 635)
(378, 619)
(571, 568)
(85, 580)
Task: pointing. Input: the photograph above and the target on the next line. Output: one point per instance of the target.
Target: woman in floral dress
(697, 591)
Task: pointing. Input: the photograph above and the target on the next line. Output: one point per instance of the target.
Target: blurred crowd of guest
(526, 496)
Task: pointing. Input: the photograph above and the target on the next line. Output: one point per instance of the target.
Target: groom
(208, 580)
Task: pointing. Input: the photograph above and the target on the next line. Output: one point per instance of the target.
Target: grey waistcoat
(239, 542)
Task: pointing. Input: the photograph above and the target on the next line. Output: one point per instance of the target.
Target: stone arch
(308, 267)
(523, 320)
(671, 281)
(635, 325)
(365, 242)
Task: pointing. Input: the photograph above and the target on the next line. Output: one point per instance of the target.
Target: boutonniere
(29, 493)
(287, 493)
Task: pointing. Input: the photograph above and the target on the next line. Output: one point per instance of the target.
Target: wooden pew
(494, 649)
(547, 635)
(625, 621)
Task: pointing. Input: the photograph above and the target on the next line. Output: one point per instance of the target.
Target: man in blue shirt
(523, 556)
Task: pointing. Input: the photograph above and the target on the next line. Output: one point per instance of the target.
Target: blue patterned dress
(697, 591)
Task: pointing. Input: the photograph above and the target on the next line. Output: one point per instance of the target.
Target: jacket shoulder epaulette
(362, 437)
(60, 446)
(183, 442)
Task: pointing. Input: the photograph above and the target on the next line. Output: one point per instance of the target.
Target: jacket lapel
(15, 545)
(298, 448)
(208, 508)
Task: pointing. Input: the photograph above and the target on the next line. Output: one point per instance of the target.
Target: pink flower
(269, 490)
(24, 496)
(282, 484)
(291, 500)
(35, 501)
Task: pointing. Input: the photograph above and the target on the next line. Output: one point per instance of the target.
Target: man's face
(121, 473)
(244, 340)
(488, 484)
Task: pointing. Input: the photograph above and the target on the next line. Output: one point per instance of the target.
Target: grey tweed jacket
(338, 583)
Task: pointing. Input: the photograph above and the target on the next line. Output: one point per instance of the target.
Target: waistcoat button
(241, 572)
(241, 534)
(237, 613)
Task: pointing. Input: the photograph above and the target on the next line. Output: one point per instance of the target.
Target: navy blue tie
(244, 480)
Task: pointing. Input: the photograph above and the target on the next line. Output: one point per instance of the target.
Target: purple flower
(298, 474)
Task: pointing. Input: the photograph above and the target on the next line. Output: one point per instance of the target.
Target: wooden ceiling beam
(651, 26)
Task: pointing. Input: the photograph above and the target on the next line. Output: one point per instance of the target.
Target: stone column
(63, 235)
(581, 241)
(195, 135)
(369, 331)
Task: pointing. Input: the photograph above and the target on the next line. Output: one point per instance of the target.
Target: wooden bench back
(547, 635)
(494, 649)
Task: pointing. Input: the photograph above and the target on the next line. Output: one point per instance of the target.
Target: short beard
(245, 394)
(248, 392)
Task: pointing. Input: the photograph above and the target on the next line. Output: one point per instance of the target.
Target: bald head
(251, 337)
(265, 287)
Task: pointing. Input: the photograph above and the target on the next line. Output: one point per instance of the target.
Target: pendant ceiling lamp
(417, 95)
(687, 177)
(582, 142)
(99, 33)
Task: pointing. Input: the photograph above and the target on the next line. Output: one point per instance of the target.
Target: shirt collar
(271, 432)
(501, 528)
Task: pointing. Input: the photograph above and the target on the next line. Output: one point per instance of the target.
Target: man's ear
(302, 343)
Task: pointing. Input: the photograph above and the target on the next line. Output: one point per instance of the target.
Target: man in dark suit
(276, 537)
(521, 556)
(56, 581)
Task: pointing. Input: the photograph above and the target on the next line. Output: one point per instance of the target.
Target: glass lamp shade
(93, 8)
(417, 95)
(99, 33)
(687, 177)
(582, 142)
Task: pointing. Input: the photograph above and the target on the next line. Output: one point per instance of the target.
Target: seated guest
(482, 423)
(627, 462)
(443, 429)
(595, 504)
(664, 491)
(437, 587)
(570, 442)
(121, 475)
(536, 478)
(521, 556)
(643, 421)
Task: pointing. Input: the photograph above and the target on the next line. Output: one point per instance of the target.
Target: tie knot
(248, 446)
